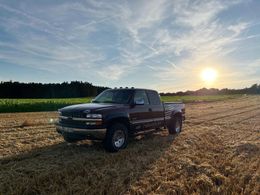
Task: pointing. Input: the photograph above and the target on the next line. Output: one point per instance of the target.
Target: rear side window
(154, 98)
(140, 94)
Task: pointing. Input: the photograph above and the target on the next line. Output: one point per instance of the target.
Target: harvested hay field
(218, 152)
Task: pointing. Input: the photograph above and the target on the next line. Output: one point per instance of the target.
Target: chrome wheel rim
(177, 126)
(119, 138)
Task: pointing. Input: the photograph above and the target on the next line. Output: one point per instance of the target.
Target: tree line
(72, 89)
(254, 89)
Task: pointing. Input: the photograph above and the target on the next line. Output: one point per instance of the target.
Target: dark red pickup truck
(116, 114)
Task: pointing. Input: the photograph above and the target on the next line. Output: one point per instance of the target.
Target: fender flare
(176, 113)
(120, 116)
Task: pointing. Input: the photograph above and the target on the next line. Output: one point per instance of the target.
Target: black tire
(116, 137)
(175, 125)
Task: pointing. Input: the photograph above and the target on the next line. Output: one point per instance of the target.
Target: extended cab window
(139, 95)
(154, 98)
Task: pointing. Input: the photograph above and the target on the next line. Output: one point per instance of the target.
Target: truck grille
(73, 114)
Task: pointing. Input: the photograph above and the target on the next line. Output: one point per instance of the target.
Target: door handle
(150, 110)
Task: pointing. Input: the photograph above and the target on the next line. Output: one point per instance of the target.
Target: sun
(209, 75)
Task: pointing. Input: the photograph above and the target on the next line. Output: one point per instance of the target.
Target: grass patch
(34, 105)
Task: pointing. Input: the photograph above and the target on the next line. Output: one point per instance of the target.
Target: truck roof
(132, 88)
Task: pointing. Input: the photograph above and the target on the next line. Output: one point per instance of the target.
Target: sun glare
(209, 75)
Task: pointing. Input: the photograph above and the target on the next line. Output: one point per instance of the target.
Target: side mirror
(139, 101)
(91, 101)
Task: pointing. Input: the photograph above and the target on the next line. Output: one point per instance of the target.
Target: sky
(160, 44)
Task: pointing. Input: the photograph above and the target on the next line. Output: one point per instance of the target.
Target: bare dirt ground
(217, 153)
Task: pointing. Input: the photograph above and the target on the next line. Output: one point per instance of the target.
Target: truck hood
(88, 108)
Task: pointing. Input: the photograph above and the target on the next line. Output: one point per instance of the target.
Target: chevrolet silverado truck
(116, 114)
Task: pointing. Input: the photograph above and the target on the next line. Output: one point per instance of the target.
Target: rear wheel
(175, 125)
(116, 137)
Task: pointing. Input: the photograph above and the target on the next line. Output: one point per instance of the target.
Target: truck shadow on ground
(84, 168)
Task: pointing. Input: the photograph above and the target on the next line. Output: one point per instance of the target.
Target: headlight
(94, 116)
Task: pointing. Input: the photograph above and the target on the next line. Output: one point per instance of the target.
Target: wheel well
(122, 120)
(178, 114)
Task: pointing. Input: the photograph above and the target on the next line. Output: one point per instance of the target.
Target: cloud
(172, 39)
(255, 63)
(41, 45)
(237, 28)
(112, 72)
(194, 13)
(206, 39)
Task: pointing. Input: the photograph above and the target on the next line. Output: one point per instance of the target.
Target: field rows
(217, 152)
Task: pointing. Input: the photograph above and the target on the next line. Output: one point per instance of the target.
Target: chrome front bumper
(95, 133)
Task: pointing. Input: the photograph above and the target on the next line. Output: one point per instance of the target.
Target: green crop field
(33, 105)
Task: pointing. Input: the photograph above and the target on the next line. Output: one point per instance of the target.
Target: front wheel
(175, 125)
(116, 137)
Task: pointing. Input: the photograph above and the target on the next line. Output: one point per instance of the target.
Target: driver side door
(141, 116)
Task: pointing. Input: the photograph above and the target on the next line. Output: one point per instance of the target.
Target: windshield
(114, 96)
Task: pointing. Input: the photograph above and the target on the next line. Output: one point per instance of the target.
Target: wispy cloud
(112, 72)
(169, 39)
(197, 13)
(237, 28)
(206, 38)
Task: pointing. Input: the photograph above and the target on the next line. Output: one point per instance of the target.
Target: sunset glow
(209, 75)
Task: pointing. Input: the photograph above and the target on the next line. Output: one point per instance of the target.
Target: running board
(148, 131)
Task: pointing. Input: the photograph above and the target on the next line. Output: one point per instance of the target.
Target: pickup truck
(116, 114)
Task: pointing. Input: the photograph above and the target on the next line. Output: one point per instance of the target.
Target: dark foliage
(75, 89)
(51, 90)
(254, 89)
